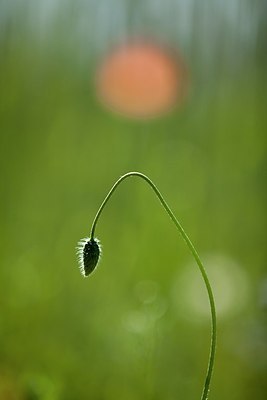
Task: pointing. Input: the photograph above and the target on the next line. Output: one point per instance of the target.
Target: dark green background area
(130, 331)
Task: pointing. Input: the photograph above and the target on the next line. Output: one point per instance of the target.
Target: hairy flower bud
(88, 252)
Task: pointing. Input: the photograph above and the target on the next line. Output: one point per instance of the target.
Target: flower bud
(88, 252)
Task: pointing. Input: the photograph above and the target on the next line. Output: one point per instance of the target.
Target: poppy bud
(88, 251)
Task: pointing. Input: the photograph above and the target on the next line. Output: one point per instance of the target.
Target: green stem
(196, 257)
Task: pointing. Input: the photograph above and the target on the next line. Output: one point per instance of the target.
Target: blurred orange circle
(141, 80)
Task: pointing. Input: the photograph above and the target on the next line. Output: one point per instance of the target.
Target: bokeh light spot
(141, 80)
(229, 281)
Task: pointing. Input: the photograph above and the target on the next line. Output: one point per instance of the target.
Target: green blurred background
(139, 327)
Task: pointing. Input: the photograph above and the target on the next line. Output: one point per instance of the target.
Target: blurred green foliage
(128, 331)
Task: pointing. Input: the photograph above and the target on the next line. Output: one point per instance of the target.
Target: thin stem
(196, 257)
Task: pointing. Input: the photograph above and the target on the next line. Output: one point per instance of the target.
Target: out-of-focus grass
(126, 332)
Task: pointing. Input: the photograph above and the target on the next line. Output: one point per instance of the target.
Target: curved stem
(196, 257)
